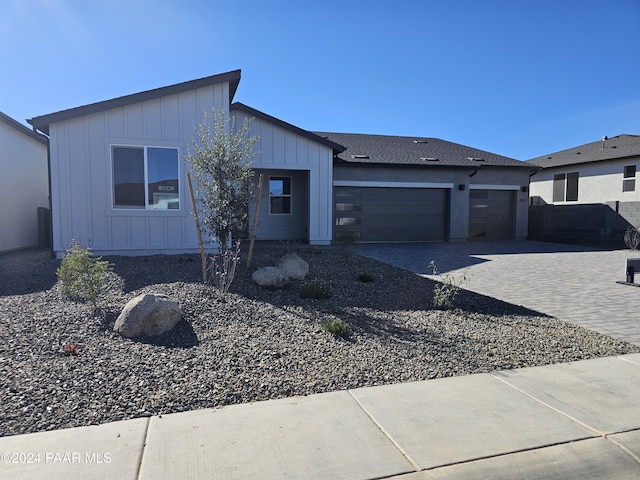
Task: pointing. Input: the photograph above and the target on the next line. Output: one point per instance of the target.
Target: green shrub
(632, 237)
(347, 239)
(366, 277)
(81, 275)
(317, 290)
(445, 293)
(337, 327)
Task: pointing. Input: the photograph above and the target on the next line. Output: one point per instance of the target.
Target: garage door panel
(395, 214)
(491, 214)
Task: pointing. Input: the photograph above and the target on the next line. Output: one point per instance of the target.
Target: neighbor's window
(145, 178)
(629, 180)
(565, 187)
(280, 195)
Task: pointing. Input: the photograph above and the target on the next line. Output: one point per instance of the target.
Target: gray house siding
(82, 174)
(286, 151)
(283, 226)
(458, 182)
(24, 184)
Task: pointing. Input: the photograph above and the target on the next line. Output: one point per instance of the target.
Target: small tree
(220, 159)
(81, 275)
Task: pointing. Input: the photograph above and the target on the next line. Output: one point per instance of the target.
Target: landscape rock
(148, 314)
(293, 267)
(270, 277)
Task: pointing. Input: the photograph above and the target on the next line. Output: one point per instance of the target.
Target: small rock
(148, 314)
(270, 277)
(293, 267)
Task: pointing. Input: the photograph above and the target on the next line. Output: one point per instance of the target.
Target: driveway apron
(572, 283)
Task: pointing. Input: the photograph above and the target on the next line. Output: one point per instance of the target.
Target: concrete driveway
(572, 283)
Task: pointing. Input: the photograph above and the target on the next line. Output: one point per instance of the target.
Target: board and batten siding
(81, 174)
(279, 151)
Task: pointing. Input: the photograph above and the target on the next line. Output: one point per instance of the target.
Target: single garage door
(390, 214)
(491, 214)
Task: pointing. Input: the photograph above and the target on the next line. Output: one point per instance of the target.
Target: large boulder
(293, 267)
(148, 314)
(270, 277)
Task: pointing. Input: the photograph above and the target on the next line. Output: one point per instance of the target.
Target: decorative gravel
(257, 345)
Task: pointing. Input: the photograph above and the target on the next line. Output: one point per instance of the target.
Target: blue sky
(519, 78)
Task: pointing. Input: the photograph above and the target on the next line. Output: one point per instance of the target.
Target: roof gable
(414, 151)
(287, 126)
(21, 128)
(614, 148)
(42, 122)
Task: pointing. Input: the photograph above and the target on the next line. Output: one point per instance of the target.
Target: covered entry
(491, 214)
(391, 214)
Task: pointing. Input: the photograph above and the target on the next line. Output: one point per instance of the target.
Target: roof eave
(4, 118)
(42, 122)
(337, 148)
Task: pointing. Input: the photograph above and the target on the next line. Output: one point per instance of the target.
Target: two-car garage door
(389, 214)
(396, 214)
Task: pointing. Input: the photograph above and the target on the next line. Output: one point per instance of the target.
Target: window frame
(147, 206)
(565, 187)
(283, 195)
(628, 180)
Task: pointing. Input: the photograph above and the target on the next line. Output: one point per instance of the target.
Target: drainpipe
(49, 219)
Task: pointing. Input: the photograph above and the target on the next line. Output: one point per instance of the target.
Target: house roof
(22, 128)
(287, 126)
(618, 147)
(411, 151)
(42, 122)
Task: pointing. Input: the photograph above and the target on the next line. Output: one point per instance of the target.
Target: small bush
(337, 327)
(445, 293)
(632, 238)
(82, 276)
(366, 277)
(347, 239)
(317, 290)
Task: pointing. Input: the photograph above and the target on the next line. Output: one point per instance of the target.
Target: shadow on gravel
(181, 336)
(27, 271)
(137, 271)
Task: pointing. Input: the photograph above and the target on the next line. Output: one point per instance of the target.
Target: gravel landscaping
(257, 345)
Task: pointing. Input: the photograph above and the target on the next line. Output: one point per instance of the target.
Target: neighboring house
(24, 186)
(119, 184)
(391, 188)
(595, 184)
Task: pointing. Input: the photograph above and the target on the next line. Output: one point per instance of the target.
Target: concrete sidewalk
(578, 420)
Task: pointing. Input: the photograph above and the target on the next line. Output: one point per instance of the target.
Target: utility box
(632, 266)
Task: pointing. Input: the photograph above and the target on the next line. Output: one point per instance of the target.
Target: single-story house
(24, 186)
(119, 184)
(588, 191)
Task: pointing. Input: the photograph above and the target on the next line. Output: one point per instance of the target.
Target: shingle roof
(621, 146)
(22, 128)
(287, 126)
(394, 150)
(42, 122)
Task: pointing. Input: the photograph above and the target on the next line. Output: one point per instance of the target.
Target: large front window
(145, 178)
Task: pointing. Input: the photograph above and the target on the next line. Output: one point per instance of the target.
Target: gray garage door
(381, 214)
(491, 214)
